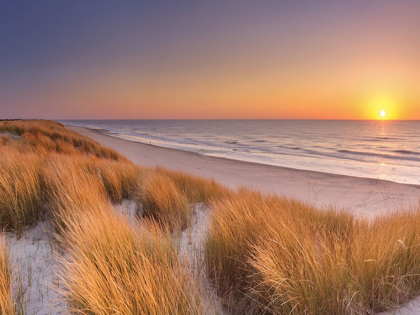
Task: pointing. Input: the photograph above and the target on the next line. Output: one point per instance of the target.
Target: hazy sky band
(227, 59)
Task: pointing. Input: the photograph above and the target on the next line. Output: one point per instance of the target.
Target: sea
(388, 150)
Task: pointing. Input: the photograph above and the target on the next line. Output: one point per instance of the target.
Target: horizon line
(291, 119)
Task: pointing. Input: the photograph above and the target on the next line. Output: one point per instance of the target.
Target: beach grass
(7, 305)
(124, 268)
(268, 254)
(32, 162)
(120, 178)
(70, 189)
(43, 151)
(20, 190)
(169, 196)
(197, 189)
(49, 136)
(110, 265)
(163, 201)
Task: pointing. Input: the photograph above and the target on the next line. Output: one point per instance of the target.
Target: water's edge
(286, 164)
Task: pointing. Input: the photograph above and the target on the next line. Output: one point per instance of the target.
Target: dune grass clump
(197, 189)
(111, 265)
(20, 190)
(69, 189)
(120, 268)
(162, 201)
(36, 135)
(120, 178)
(279, 256)
(7, 305)
(41, 146)
(4, 140)
(168, 196)
(16, 127)
(238, 222)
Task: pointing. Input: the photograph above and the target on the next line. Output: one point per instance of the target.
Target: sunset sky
(219, 59)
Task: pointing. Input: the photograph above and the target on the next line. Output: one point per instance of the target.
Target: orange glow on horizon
(385, 108)
(258, 61)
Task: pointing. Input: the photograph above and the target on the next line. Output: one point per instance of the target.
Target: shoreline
(104, 132)
(362, 196)
(376, 153)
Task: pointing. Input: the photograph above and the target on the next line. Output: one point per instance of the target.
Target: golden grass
(120, 178)
(163, 201)
(38, 135)
(121, 268)
(4, 140)
(6, 299)
(280, 256)
(69, 189)
(167, 195)
(111, 265)
(57, 147)
(26, 165)
(20, 190)
(197, 189)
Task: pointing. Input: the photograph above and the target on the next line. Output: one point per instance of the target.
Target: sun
(382, 108)
(383, 113)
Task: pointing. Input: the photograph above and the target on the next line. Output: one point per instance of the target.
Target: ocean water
(387, 150)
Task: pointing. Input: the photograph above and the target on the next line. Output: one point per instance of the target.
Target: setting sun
(383, 113)
(383, 107)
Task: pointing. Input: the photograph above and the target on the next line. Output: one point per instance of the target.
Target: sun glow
(383, 113)
(382, 108)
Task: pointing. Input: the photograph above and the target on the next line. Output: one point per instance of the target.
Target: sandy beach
(209, 241)
(363, 197)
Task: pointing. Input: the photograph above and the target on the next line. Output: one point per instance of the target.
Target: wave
(385, 155)
(381, 138)
(406, 152)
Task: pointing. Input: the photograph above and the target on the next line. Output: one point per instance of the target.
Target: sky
(300, 59)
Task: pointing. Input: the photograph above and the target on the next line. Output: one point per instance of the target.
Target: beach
(360, 196)
(75, 204)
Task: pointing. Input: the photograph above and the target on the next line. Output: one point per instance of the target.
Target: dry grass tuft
(6, 299)
(120, 178)
(4, 140)
(167, 196)
(280, 256)
(197, 189)
(49, 136)
(122, 268)
(110, 265)
(20, 190)
(69, 189)
(29, 162)
(162, 201)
